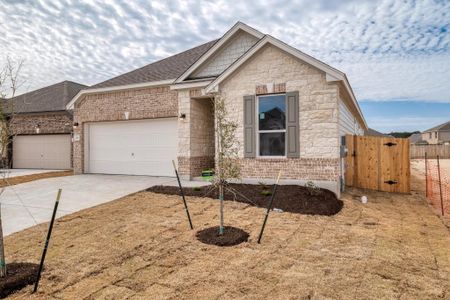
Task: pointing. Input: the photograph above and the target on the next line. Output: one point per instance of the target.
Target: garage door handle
(132, 154)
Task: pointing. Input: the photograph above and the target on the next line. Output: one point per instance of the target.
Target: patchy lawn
(32, 177)
(140, 247)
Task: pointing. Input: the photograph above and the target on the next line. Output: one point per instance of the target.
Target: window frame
(258, 131)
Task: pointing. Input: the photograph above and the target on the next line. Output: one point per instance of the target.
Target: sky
(396, 53)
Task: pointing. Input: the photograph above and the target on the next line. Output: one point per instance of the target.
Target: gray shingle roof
(373, 132)
(442, 127)
(167, 68)
(50, 98)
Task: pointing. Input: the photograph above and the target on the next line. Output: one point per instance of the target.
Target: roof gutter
(85, 92)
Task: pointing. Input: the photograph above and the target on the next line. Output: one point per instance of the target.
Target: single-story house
(437, 135)
(42, 127)
(138, 122)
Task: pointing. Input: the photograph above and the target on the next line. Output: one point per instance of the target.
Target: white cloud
(389, 49)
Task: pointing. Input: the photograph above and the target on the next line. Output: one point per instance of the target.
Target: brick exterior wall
(273, 69)
(56, 122)
(321, 169)
(143, 103)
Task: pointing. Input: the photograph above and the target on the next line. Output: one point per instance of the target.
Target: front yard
(140, 247)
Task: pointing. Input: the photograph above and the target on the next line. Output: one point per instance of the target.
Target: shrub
(313, 189)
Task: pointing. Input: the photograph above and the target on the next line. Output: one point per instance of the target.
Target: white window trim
(269, 131)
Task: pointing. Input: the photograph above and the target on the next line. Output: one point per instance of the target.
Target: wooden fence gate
(378, 163)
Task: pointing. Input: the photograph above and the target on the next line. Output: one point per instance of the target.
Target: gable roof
(442, 127)
(332, 74)
(47, 99)
(164, 69)
(220, 42)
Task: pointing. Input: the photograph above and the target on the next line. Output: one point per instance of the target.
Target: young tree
(10, 82)
(227, 165)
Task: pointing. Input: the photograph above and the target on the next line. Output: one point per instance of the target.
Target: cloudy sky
(395, 53)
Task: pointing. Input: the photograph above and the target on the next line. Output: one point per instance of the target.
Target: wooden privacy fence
(418, 151)
(378, 163)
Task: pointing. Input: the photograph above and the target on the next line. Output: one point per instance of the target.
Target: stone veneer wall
(195, 135)
(143, 103)
(51, 122)
(318, 99)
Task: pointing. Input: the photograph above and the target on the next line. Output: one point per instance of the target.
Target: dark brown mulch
(18, 275)
(289, 198)
(231, 236)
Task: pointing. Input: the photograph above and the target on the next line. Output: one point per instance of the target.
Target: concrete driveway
(25, 205)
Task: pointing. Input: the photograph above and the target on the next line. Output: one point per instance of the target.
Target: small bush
(266, 193)
(313, 189)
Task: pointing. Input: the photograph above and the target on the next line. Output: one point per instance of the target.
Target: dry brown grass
(139, 247)
(33, 177)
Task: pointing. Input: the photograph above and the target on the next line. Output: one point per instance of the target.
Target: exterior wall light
(75, 125)
(182, 116)
(37, 128)
(127, 115)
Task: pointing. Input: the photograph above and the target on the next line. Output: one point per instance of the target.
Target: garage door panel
(42, 151)
(144, 147)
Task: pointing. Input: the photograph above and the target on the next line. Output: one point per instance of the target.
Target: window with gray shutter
(249, 127)
(292, 125)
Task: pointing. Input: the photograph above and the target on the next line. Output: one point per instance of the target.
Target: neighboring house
(373, 132)
(42, 127)
(291, 109)
(437, 135)
(416, 138)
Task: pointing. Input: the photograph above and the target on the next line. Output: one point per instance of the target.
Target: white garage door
(42, 151)
(145, 147)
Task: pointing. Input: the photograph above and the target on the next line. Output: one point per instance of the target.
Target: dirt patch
(231, 236)
(33, 177)
(289, 198)
(140, 247)
(18, 275)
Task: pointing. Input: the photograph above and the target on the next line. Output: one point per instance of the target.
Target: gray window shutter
(249, 127)
(292, 125)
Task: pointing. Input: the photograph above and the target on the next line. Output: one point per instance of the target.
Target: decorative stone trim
(195, 93)
(271, 88)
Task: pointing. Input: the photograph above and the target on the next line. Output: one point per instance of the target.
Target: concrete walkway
(25, 205)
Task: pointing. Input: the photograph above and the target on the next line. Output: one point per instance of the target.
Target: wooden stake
(47, 240)
(182, 195)
(269, 207)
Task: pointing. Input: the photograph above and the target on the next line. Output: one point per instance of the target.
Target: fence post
(440, 186)
(426, 176)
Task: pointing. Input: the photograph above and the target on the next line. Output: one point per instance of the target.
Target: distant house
(437, 135)
(416, 138)
(373, 132)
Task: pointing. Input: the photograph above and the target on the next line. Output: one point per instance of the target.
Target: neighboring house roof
(50, 98)
(373, 132)
(416, 138)
(442, 127)
(167, 68)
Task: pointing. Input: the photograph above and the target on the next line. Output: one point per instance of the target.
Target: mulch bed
(18, 275)
(231, 236)
(289, 198)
